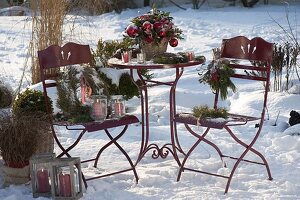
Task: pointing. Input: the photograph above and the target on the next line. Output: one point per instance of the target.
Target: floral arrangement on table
(154, 27)
(217, 76)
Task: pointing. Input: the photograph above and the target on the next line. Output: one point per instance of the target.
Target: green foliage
(174, 58)
(106, 49)
(6, 96)
(126, 87)
(109, 87)
(68, 101)
(170, 58)
(206, 112)
(30, 101)
(217, 76)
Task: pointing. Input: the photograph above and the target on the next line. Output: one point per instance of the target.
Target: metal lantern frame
(72, 164)
(38, 160)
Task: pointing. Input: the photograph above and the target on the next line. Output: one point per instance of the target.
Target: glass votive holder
(117, 104)
(126, 56)
(140, 58)
(99, 107)
(190, 56)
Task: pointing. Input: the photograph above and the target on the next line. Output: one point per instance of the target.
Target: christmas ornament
(173, 42)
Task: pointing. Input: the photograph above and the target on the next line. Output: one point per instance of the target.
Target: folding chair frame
(55, 57)
(238, 47)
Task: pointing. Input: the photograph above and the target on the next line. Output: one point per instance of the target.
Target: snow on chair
(254, 60)
(68, 56)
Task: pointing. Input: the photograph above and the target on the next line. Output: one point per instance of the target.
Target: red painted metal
(239, 47)
(57, 57)
(174, 146)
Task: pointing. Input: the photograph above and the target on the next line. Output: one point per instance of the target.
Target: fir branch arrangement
(169, 58)
(206, 112)
(107, 49)
(217, 76)
(67, 88)
(174, 58)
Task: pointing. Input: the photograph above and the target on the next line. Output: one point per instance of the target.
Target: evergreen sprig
(169, 58)
(217, 76)
(206, 112)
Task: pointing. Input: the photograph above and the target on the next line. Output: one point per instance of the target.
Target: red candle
(190, 56)
(83, 89)
(125, 57)
(64, 185)
(119, 109)
(43, 181)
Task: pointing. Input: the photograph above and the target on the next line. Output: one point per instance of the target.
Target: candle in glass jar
(119, 108)
(97, 109)
(64, 185)
(43, 181)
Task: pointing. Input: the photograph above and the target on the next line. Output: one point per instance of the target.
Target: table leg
(172, 147)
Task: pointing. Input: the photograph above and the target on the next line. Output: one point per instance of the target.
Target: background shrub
(6, 96)
(30, 101)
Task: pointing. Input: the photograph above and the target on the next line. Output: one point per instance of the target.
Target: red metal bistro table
(174, 145)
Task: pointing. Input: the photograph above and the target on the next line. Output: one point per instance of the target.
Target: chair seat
(109, 123)
(217, 123)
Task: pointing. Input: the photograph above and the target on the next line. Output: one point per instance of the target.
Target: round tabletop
(114, 62)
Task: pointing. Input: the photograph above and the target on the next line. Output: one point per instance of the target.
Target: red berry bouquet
(153, 28)
(217, 76)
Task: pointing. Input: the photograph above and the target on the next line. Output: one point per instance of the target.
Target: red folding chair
(256, 51)
(67, 56)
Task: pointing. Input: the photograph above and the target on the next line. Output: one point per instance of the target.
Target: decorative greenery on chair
(68, 101)
(217, 76)
(206, 112)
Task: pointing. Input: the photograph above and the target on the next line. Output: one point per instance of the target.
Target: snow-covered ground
(203, 30)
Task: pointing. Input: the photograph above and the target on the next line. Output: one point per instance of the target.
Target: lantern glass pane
(117, 104)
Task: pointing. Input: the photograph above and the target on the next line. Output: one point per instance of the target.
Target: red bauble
(173, 42)
(157, 25)
(147, 25)
(149, 39)
(132, 31)
(162, 33)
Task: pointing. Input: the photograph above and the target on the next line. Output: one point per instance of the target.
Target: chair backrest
(254, 56)
(56, 57)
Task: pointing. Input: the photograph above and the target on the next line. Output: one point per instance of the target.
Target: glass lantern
(67, 179)
(99, 107)
(117, 104)
(40, 168)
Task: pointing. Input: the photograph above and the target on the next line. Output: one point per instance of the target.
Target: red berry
(173, 42)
